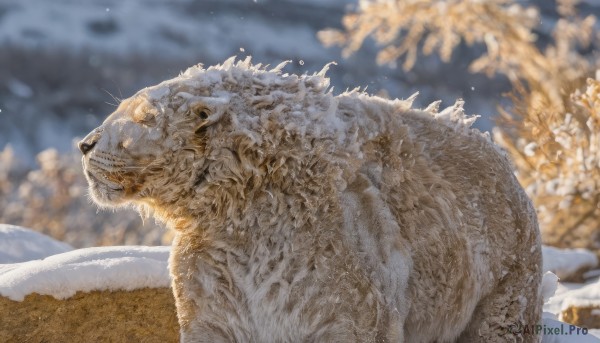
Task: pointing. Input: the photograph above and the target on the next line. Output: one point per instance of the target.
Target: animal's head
(147, 140)
(154, 143)
(168, 140)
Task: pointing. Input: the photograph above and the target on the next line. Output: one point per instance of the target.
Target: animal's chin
(104, 192)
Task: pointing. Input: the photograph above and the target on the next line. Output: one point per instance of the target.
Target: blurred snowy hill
(62, 61)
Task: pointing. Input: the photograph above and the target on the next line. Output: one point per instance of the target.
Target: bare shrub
(557, 156)
(53, 200)
(551, 128)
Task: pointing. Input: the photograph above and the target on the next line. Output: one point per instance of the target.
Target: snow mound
(559, 332)
(549, 285)
(101, 268)
(18, 244)
(566, 262)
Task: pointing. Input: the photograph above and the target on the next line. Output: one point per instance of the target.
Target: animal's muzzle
(88, 143)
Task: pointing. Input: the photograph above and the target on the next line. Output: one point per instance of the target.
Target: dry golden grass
(551, 129)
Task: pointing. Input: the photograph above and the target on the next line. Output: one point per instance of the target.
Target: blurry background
(64, 65)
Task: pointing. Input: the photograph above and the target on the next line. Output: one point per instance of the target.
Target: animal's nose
(86, 147)
(88, 142)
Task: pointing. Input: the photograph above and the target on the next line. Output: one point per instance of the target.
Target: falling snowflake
(242, 49)
(301, 62)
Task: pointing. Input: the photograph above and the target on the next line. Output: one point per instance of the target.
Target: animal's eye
(147, 119)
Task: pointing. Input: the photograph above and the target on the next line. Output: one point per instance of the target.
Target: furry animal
(301, 216)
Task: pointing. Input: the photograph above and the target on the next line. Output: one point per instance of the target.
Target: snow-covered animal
(304, 216)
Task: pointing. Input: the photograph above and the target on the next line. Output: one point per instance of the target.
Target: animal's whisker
(117, 100)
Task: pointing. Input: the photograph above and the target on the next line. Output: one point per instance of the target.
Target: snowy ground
(63, 272)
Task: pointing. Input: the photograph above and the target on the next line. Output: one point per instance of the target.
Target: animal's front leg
(215, 318)
(210, 307)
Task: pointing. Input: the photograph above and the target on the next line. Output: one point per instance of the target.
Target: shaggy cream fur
(301, 216)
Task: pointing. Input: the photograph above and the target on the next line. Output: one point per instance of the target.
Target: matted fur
(301, 216)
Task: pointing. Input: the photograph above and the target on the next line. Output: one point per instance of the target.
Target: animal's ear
(202, 110)
(202, 115)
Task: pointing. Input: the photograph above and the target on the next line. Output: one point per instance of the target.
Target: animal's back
(468, 228)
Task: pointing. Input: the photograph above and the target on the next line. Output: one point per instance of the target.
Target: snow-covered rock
(555, 331)
(18, 244)
(74, 296)
(102, 268)
(587, 296)
(566, 263)
(572, 302)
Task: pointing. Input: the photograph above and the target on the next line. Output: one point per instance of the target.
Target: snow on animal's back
(307, 104)
(310, 104)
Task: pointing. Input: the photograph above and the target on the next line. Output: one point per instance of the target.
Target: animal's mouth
(99, 179)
